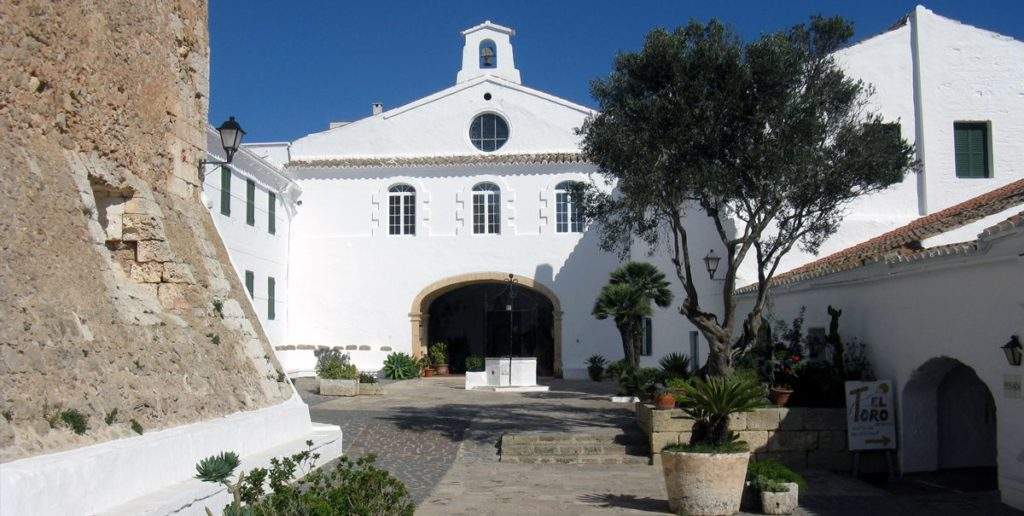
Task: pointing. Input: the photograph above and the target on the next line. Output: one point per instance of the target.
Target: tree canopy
(770, 140)
(627, 298)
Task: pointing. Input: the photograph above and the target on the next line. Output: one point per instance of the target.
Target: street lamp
(1013, 351)
(711, 262)
(230, 138)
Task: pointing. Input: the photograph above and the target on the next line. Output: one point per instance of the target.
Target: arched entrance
(460, 305)
(949, 418)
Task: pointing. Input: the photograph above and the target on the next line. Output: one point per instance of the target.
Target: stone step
(573, 448)
(576, 459)
(612, 436)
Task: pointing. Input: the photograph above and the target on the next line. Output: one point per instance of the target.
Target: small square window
(971, 145)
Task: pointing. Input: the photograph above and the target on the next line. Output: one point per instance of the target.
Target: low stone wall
(799, 437)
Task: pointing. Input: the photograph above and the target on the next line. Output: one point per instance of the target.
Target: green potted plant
(595, 367)
(706, 475)
(772, 487)
(335, 375)
(782, 374)
(368, 384)
(399, 366)
(475, 374)
(439, 357)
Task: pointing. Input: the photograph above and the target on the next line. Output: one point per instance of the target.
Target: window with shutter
(225, 191)
(250, 202)
(970, 143)
(271, 213)
(250, 283)
(271, 284)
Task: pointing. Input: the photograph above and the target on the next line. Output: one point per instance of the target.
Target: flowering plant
(783, 368)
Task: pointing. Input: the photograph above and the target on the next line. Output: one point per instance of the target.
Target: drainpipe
(915, 52)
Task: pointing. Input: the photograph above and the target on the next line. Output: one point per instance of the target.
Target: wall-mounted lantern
(230, 138)
(1013, 351)
(711, 262)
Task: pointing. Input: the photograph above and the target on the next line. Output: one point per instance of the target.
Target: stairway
(599, 446)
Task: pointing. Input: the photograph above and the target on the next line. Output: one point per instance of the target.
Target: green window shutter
(250, 202)
(250, 283)
(270, 298)
(271, 213)
(225, 191)
(970, 144)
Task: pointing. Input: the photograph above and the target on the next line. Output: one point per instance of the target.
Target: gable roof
(904, 243)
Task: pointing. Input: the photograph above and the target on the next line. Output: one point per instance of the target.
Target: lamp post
(230, 138)
(711, 262)
(1013, 351)
(509, 307)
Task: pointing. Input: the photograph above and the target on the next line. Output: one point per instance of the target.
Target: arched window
(567, 213)
(486, 209)
(488, 54)
(488, 132)
(401, 210)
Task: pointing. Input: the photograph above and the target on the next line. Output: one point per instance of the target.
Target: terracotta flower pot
(428, 372)
(441, 369)
(665, 401)
(704, 483)
(779, 396)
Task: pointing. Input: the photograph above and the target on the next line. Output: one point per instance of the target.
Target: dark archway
(474, 320)
(949, 418)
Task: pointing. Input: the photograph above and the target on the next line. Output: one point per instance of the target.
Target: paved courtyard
(442, 442)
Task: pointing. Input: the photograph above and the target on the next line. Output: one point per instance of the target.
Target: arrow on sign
(884, 440)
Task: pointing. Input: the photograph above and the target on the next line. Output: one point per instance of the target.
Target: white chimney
(378, 108)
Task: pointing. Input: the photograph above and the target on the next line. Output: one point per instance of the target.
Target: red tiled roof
(906, 240)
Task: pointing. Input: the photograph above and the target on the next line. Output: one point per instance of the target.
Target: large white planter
(511, 372)
(781, 503)
(476, 379)
(707, 484)
(338, 387)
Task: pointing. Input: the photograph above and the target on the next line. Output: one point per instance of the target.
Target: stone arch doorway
(420, 312)
(949, 418)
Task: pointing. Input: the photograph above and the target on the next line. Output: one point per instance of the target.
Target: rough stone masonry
(117, 298)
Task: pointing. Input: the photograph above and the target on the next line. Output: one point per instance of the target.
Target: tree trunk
(628, 349)
(719, 356)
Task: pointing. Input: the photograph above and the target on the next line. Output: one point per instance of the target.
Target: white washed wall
(253, 248)
(965, 74)
(962, 307)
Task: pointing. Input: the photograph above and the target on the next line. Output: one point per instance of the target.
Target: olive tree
(768, 141)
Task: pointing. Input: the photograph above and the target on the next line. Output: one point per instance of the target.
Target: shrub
(474, 363)
(595, 367)
(438, 354)
(367, 378)
(775, 471)
(337, 370)
(710, 403)
(346, 488)
(111, 416)
(399, 366)
(675, 365)
(730, 447)
(616, 368)
(766, 485)
(75, 420)
(641, 382)
(136, 427)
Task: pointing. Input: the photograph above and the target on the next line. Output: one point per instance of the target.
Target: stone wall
(799, 437)
(115, 290)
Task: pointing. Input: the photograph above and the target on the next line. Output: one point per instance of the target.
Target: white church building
(403, 229)
(411, 220)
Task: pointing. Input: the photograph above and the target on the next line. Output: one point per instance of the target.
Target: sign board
(870, 416)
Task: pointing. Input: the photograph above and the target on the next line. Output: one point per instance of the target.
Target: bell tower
(488, 51)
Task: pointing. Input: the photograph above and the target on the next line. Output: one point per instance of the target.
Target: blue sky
(286, 69)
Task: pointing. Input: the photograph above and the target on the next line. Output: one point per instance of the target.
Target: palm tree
(627, 298)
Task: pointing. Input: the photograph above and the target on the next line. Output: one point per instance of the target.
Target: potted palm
(439, 358)
(595, 367)
(706, 475)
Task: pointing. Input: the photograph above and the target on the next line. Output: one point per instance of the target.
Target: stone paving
(442, 442)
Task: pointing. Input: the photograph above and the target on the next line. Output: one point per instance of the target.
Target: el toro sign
(870, 416)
